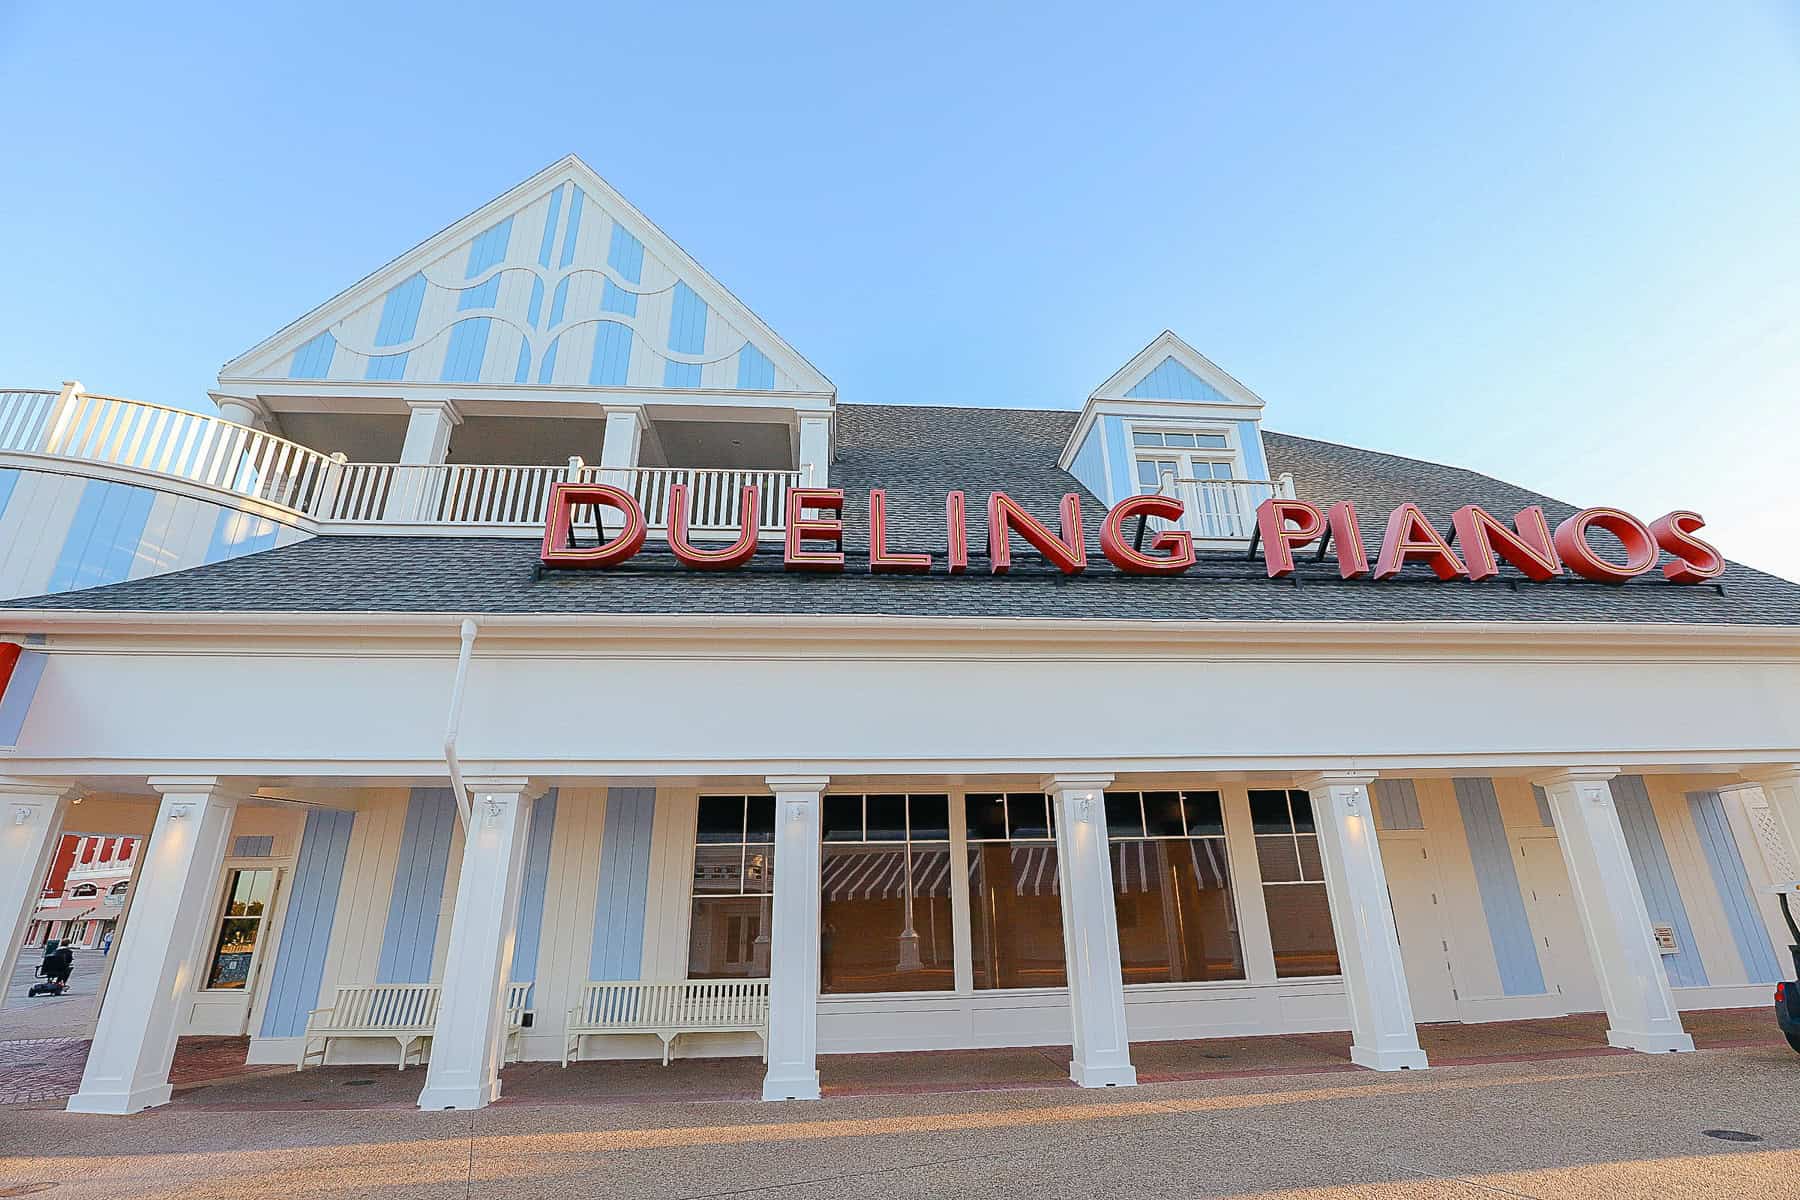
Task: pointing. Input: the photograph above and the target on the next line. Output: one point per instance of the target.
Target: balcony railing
(456, 494)
(1224, 509)
(212, 453)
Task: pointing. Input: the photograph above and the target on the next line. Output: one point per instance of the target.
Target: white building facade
(908, 804)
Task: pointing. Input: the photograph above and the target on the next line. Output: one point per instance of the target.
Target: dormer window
(1181, 456)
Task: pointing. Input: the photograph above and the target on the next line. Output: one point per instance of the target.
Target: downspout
(454, 725)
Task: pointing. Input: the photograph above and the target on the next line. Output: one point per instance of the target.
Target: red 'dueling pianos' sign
(815, 538)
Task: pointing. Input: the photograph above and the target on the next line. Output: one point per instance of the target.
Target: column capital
(35, 791)
(1550, 779)
(1772, 773)
(1075, 782)
(211, 786)
(446, 408)
(1313, 780)
(506, 785)
(796, 783)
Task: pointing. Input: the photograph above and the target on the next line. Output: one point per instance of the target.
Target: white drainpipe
(463, 800)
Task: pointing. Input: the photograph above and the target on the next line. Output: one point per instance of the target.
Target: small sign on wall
(1665, 939)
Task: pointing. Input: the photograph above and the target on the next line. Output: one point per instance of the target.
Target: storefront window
(246, 904)
(1015, 908)
(1287, 850)
(734, 872)
(884, 879)
(1172, 887)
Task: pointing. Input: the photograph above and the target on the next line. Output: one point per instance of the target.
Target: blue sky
(1560, 244)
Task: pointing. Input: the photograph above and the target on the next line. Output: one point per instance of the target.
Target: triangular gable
(1170, 369)
(558, 282)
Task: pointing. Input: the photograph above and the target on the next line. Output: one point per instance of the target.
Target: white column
(244, 410)
(31, 821)
(1102, 1045)
(1383, 1036)
(156, 962)
(468, 1044)
(1640, 1009)
(622, 443)
(1781, 788)
(794, 941)
(815, 449)
(428, 429)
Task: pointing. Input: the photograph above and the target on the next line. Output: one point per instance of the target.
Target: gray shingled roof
(918, 454)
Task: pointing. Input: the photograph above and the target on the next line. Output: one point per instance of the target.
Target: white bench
(669, 1010)
(406, 1012)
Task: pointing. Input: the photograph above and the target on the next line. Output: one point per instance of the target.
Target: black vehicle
(1787, 995)
(58, 965)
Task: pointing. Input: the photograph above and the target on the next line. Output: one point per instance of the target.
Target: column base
(1388, 1060)
(1650, 1043)
(119, 1104)
(791, 1087)
(1124, 1075)
(460, 1096)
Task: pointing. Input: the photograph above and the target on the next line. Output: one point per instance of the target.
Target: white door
(1563, 949)
(1415, 893)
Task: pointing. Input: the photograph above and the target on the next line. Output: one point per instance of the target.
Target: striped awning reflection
(859, 873)
(1135, 865)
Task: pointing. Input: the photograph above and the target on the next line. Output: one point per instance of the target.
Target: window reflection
(1172, 892)
(1015, 906)
(884, 919)
(247, 895)
(1287, 851)
(734, 872)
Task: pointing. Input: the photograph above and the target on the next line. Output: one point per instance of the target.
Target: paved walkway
(1588, 1127)
(68, 1015)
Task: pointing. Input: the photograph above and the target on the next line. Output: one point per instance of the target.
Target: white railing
(215, 453)
(190, 446)
(1224, 509)
(458, 494)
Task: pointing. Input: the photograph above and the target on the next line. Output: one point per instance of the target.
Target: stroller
(58, 964)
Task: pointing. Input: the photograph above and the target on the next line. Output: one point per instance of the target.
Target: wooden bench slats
(668, 1010)
(406, 1012)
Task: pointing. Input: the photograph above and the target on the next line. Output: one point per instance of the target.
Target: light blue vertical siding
(1656, 878)
(577, 202)
(410, 938)
(1515, 951)
(1118, 452)
(548, 242)
(306, 929)
(1172, 381)
(618, 951)
(399, 321)
(464, 355)
(625, 254)
(467, 349)
(313, 360)
(535, 308)
(687, 321)
(536, 885)
(558, 302)
(16, 703)
(612, 355)
(1397, 804)
(1089, 463)
(755, 371)
(9, 479)
(1255, 466)
(102, 541)
(681, 375)
(615, 299)
(547, 365)
(1733, 883)
(235, 534)
(250, 845)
